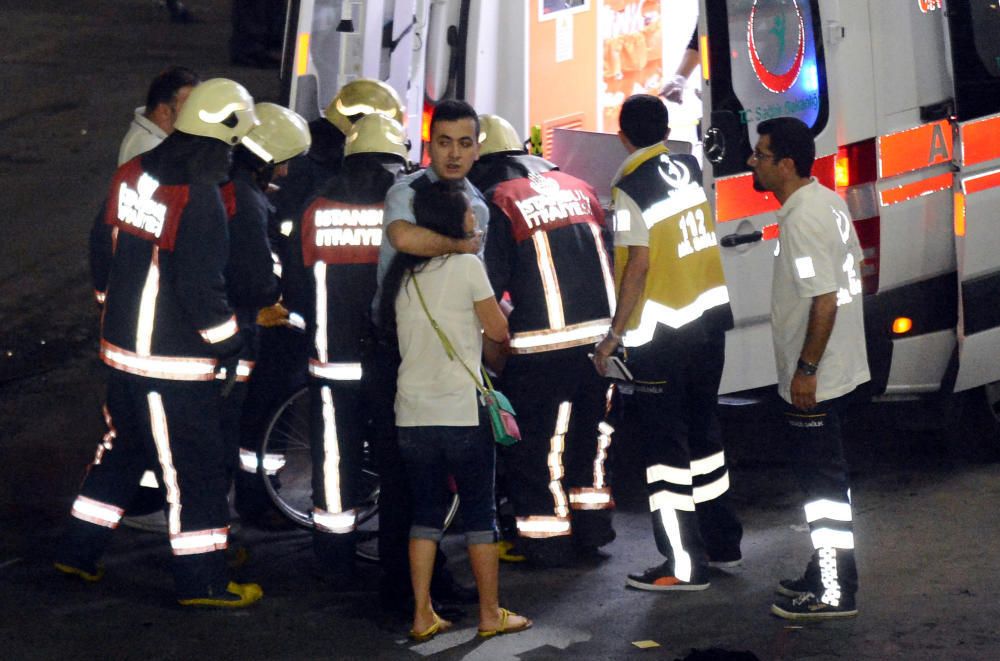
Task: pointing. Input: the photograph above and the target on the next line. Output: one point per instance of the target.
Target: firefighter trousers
(337, 430)
(173, 425)
(557, 475)
(822, 472)
(674, 412)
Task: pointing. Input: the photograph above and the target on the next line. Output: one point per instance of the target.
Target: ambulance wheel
(972, 432)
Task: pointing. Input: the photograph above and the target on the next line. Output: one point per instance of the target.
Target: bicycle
(284, 464)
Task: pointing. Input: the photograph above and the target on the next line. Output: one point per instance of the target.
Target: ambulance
(903, 97)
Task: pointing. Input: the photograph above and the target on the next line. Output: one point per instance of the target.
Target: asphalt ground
(72, 73)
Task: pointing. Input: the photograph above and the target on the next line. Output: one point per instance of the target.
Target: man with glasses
(819, 347)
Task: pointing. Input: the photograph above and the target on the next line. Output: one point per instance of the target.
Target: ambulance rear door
(974, 45)
(762, 59)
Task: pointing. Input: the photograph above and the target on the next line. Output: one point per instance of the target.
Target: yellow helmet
(363, 96)
(218, 108)
(282, 134)
(376, 134)
(497, 136)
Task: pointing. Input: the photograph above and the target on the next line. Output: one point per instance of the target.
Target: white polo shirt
(818, 253)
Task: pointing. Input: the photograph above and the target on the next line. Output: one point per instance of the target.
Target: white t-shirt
(433, 390)
(142, 136)
(818, 253)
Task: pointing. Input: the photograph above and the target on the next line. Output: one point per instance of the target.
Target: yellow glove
(274, 315)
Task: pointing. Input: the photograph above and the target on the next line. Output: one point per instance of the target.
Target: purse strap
(449, 348)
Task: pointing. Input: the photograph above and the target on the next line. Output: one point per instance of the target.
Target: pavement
(72, 73)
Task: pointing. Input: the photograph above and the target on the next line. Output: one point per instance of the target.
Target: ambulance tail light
(856, 171)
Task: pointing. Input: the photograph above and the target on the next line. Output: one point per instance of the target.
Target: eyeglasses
(758, 155)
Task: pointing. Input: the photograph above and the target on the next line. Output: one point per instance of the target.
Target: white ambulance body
(903, 97)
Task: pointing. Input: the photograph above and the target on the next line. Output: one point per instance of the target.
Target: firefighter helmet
(282, 134)
(376, 134)
(363, 96)
(218, 108)
(497, 136)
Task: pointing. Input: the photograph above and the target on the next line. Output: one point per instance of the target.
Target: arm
(630, 291)
(101, 254)
(822, 315)
(415, 240)
(493, 320)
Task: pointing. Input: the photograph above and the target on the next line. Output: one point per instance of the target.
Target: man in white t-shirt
(155, 121)
(819, 346)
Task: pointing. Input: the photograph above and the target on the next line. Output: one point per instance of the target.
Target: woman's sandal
(439, 626)
(504, 629)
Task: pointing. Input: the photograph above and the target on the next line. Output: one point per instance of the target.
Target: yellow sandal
(503, 628)
(440, 626)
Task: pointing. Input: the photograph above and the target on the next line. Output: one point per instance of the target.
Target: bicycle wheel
(284, 459)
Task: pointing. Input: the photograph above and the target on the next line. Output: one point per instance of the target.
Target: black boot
(80, 549)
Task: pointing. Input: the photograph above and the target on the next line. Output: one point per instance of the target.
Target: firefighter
(252, 273)
(673, 311)
(170, 338)
(545, 248)
(284, 351)
(331, 282)
(819, 348)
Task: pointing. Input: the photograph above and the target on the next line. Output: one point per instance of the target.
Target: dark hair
(452, 110)
(791, 138)
(440, 207)
(644, 120)
(164, 87)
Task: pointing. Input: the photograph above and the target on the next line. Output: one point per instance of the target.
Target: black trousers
(337, 432)
(674, 411)
(173, 425)
(557, 476)
(822, 472)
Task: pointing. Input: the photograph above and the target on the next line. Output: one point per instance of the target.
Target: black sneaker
(661, 579)
(795, 587)
(810, 607)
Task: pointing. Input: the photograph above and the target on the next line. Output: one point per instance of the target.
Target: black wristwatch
(807, 368)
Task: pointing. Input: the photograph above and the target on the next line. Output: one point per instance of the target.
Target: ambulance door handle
(736, 239)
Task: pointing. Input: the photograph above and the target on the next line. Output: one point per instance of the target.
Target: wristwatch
(809, 369)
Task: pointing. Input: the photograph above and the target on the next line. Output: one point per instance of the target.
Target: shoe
(90, 575)
(661, 579)
(503, 628)
(237, 595)
(510, 553)
(794, 587)
(809, 607)
(439, 626)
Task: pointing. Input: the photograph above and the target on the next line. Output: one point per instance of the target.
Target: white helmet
(377, 134)
(363, 96)
(497, 136)
(281, 134)
(218, 108)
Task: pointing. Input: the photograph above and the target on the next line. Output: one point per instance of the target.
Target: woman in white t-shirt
(442, 425)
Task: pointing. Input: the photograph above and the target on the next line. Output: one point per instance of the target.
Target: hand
(273, 315)
(470, 244)
(803, 391)
(673, 90)
(602, 351)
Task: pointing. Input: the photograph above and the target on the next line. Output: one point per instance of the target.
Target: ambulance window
(975, 43)
(766, 61)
